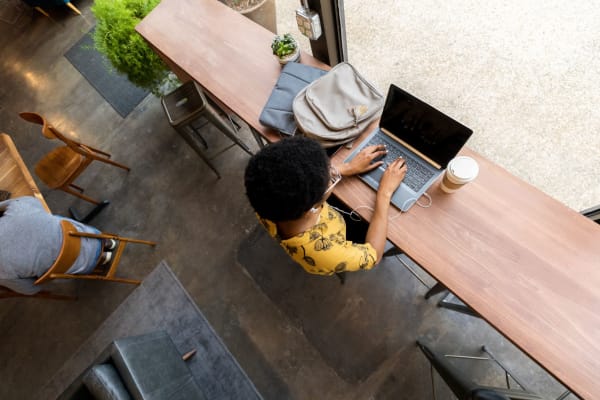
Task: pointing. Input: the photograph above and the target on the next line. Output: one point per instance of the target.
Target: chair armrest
(104, 383)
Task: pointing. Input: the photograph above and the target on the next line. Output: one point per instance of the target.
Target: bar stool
(187, 104)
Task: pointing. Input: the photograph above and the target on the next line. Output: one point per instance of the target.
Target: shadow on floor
(355, 326)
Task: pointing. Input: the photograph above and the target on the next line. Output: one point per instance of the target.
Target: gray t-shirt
(30, 241)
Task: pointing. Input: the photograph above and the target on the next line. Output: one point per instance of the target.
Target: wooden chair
(60, 167)
(70, 250)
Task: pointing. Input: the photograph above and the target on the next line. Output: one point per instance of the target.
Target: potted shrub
(285, 48)
(127, 51)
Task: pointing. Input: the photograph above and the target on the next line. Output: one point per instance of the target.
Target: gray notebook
(277, 113)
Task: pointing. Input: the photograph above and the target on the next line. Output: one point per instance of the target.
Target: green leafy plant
(284, 46)
(127, 51)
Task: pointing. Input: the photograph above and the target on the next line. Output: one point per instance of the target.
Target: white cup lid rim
(464, 168)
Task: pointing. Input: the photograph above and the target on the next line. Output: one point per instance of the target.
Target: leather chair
(147, 366)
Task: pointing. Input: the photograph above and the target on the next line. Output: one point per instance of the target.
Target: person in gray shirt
(30, 241)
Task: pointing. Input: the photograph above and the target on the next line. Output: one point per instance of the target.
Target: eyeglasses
(334, 178)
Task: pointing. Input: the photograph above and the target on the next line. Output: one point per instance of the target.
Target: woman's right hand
(392, 177)
(364, 161)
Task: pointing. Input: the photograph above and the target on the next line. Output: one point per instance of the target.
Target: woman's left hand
(364, 161)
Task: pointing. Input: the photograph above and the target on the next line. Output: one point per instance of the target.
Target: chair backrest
(69, 252)
(50, 132)
(458, 382)
(592, 213)
(463, 387)
(47, 129)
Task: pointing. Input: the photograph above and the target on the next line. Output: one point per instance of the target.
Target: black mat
(370, 318)
(116, 89)
(161, 303)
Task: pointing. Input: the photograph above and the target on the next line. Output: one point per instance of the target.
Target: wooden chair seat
(57, 167)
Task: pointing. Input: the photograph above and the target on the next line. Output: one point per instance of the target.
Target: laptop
(426, 138)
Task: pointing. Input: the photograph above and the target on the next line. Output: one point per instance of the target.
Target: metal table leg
(257, 136)
(444, 303)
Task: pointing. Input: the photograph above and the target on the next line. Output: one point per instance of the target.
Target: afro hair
(287, 178)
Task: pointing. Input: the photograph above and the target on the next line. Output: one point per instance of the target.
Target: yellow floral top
(323, 249)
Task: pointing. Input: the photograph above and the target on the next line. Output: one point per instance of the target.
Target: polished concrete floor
(297, 336)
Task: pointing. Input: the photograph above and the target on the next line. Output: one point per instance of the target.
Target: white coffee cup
(460, 171)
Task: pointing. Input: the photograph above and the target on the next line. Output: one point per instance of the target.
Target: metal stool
(466, 389)
(184, 106)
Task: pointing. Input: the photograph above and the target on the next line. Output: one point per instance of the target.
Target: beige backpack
(337, 107)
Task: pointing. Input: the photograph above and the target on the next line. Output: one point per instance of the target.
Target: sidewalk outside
(522, 75)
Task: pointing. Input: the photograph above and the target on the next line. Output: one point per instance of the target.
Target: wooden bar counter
(526, 263)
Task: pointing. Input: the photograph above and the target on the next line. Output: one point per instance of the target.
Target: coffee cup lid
(464, 168)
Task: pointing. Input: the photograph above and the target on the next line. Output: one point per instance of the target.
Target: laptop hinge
(408, 146)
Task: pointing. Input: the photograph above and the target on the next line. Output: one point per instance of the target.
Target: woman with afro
(288, 184)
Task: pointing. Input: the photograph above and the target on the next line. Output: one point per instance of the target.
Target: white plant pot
(295, 56)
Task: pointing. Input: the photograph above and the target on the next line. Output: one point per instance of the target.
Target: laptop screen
(428, 130)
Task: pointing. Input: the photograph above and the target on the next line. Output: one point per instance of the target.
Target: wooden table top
(229, 55)
(14, 175)
(525, 262)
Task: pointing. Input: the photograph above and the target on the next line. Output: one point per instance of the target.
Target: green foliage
(284, 46)
(127, 51)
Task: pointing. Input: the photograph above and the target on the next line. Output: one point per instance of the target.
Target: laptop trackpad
(374, 175)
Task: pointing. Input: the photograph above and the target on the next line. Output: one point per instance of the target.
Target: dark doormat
(116, 89)
(355, 327)
(161, 303)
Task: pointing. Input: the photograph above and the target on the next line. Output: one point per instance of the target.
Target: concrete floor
(297, 336)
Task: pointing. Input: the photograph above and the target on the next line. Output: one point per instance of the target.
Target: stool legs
(191, 140)
(259, 139)
(211, 114)
(199, 135)
(187, 104)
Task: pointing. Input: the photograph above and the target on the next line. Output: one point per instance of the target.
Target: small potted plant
(285, 48)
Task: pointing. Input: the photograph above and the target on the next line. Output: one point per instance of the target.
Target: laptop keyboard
(417, 174)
